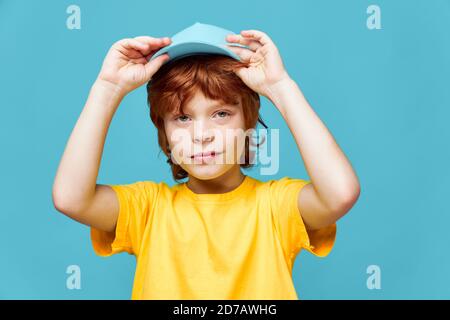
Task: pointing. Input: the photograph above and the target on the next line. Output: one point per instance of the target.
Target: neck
(229, 181)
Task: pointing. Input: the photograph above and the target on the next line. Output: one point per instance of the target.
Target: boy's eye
(222, 114)
(182, 118)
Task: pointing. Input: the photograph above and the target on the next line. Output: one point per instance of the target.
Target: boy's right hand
(126, 64)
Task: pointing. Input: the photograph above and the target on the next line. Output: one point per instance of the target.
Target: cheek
(176, 137)
(170, 143)
(234, 143)
(236, 127)
(167, 131)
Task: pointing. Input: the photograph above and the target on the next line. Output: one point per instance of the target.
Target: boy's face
(208, 126)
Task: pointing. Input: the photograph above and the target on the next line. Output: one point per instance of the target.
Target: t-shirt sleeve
(135, 210)
(289, 223)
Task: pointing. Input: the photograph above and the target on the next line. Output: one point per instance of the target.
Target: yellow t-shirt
(235, 245)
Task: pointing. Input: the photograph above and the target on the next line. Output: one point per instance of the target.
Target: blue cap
(199, 39)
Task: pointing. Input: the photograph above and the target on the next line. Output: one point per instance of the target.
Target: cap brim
(184, 49)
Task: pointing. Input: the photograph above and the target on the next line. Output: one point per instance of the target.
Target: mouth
(203, 156)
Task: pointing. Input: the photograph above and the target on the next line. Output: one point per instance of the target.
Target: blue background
(384, 95)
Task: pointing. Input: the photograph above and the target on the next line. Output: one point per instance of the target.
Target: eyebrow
(219, 105)
(223, 104)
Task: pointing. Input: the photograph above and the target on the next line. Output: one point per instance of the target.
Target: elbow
(346, 201)
(59, 202)
(63, 203)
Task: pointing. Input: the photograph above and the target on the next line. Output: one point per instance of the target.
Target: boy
(221, 234)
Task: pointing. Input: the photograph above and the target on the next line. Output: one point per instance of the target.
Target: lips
(205, 155)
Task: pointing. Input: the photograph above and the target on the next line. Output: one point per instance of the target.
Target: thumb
(242, 73)
(153, 66)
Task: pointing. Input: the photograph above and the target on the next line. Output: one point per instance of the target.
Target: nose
(202, 133)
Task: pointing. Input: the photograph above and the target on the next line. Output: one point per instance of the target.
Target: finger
(244, 53)
(154, 65)
(130, 53)
(143, 45)
(258, 35)
(242, 73)
(148, 56)
(139, 61)
(164, 42)
(237, 38)
(134, 44)
(154, 43)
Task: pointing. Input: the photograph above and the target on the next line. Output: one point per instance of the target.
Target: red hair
(176, 83)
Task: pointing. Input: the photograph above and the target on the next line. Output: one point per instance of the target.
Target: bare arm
(75, 191)
(335, 186)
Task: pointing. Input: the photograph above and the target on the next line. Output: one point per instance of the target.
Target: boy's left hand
(266, 68)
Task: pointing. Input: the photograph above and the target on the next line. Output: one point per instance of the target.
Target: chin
(207, 171)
